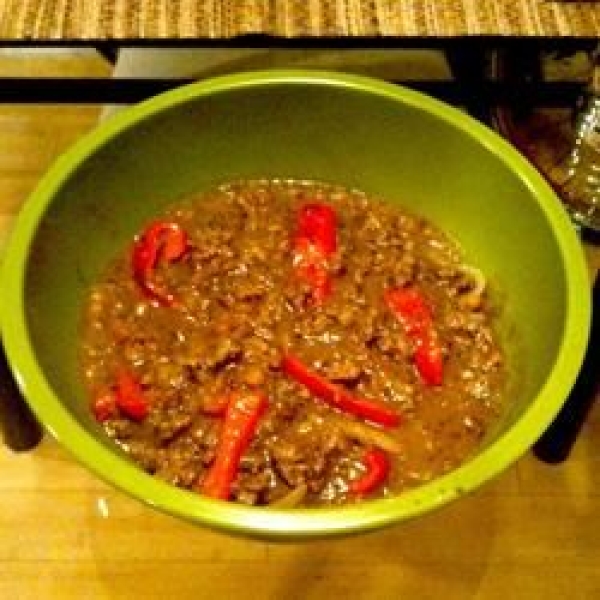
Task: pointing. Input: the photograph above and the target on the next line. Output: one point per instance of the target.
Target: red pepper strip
(337, 396)
(377, 469)
(160, 241)
(104, 407)
(241, 421)
(429, 360)
(216, 406)
(311, 266)
(410, 308)
(130, 397)
(315, 241)
(317, 224)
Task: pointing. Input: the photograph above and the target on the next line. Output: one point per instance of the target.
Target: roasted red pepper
(377, 468)
(241, 420)
(130, 397)
(160, 241)
(411, 309)
(216, 406)
(127, 398)
(338, 397)
(315, 240)
(104, 407)
(317, 224)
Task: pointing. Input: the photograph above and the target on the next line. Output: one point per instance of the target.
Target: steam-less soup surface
(292, 343)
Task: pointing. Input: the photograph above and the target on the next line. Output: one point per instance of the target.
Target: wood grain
(533, 533)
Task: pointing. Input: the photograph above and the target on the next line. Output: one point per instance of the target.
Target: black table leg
(108, 51)
(20, 429)
(556, 443)
(468, 63)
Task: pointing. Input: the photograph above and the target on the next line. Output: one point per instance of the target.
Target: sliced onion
(369, 435)
(477, 277)
(293, 498)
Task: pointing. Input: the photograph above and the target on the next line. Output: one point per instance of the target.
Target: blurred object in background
(579, 174)
(563, 142)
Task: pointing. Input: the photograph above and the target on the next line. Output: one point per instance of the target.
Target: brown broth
(241, 306)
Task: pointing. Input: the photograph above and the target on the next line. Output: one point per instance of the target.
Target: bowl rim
(299, 523)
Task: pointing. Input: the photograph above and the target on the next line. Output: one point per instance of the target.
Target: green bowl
(381, 138)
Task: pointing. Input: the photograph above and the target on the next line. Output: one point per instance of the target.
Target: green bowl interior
(386, 141)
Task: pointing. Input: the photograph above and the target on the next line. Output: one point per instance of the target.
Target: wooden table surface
(532, 533)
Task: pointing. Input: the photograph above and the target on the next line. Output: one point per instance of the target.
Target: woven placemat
(181, 19)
